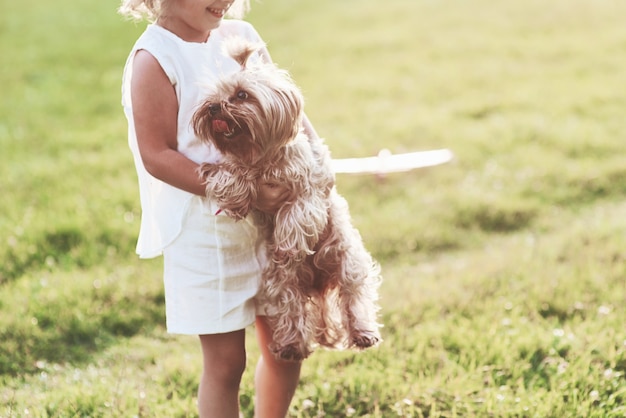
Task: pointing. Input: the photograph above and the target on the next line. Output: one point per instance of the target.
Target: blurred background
(505, 273)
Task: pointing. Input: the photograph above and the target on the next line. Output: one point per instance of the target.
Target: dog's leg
(298, 226)
(358, 296)
(358, 279)
(234, 191)
(287, 315)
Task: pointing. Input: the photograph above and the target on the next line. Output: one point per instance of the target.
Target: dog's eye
(242, 95)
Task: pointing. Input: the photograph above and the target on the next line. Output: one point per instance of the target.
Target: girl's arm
(155, 112)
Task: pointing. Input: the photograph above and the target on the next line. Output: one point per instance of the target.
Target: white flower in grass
(350, 411)
(604, 310)
(307, 404)
(558, 332)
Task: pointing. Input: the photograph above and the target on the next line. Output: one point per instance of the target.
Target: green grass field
(505, 270)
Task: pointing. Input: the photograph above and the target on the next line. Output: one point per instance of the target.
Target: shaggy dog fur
(320, 284)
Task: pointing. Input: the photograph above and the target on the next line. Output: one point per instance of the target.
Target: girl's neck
(183, 31)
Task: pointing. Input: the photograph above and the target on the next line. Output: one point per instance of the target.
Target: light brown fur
(320, 284)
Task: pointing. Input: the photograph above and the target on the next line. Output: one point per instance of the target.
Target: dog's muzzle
(215, 108)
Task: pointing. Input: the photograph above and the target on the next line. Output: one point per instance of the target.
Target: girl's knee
(279, 364)
(226, 373)
(224, 358)
(265, 339)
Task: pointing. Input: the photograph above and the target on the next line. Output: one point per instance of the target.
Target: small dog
(320, 284)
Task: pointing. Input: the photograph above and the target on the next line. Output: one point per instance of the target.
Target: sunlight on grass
(504, 270)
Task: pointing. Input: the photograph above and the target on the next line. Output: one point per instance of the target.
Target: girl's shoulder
(156, 37)
(234, 27)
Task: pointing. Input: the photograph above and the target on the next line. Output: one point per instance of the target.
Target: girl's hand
(271, 197)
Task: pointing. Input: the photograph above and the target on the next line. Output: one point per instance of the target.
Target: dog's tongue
(220, 125)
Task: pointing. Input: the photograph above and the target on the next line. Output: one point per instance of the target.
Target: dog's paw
(289, 353)
(365, 339)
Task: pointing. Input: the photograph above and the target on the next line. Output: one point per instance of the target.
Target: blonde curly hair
(153, 9)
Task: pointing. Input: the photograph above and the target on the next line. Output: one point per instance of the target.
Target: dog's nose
(215, 108)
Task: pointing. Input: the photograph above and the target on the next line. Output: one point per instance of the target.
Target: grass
(505, 271)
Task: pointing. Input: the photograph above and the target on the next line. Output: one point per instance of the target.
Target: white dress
(212, 264)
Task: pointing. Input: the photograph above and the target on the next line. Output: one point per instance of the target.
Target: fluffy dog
(320, 286)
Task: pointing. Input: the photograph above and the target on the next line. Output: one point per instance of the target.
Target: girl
(211, 267)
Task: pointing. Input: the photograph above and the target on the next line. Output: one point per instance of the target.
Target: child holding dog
(212, 264)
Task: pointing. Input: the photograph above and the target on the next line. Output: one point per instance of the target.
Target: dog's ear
(241, 49)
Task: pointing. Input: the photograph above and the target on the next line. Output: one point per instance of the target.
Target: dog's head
(251, 113)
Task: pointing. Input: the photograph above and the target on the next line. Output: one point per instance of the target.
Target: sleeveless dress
(212, 264)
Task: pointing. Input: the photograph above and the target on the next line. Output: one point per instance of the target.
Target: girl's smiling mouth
(217, 12)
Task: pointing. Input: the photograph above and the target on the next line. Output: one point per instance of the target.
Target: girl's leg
(275, 380)
(224, 360)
